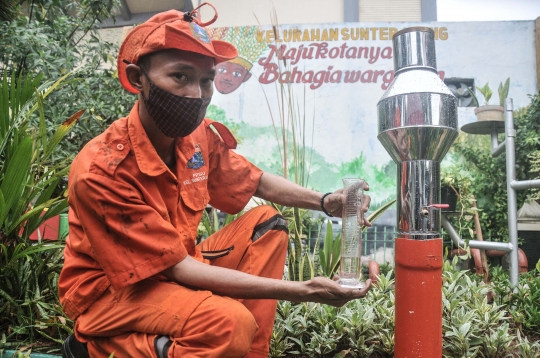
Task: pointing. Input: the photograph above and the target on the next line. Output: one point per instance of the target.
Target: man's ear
(134, 74)
(247, 77)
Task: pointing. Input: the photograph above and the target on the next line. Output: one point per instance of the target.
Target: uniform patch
(199, 33)
(197, 160)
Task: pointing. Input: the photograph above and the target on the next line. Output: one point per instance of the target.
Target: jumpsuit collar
(148, 160)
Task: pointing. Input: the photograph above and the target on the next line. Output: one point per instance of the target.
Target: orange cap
(171, 29)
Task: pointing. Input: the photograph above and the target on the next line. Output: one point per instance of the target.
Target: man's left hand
(333, 203)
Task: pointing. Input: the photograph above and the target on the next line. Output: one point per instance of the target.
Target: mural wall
(319, 84)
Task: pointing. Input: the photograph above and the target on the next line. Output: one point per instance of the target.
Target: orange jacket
(130, 217)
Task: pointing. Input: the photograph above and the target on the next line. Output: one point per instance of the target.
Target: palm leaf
(377, 213)
(306, 267)
(15, 174)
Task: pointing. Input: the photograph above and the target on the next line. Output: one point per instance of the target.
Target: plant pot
(489, 113)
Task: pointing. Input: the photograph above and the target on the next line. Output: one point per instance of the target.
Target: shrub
(485, 177)
(59, 36)
(522, 301)
(29, 307)
(472, 326)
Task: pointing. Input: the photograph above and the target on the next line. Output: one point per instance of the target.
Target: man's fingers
(366, 202)
(362, 219)
(363, 292)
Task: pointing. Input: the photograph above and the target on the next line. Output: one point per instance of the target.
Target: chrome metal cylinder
(417, 125)
(414, 47)
(419, 188)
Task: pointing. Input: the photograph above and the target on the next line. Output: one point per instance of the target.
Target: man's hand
(237, 284)
(333, 203)
(324, 290)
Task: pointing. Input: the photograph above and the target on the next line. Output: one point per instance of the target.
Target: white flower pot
(489, 113)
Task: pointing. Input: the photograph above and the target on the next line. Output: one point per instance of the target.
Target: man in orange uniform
(134, 280)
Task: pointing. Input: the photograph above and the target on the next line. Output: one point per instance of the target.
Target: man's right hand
(324, 290)
(237, 284)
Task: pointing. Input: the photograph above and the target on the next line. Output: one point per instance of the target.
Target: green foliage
(302, 265)
(9, 10)
(460, 181)
(28, 176)
(59, 36)
(210, 222)
(483, 176)
(528, 349)
(472, 327)
(361, 328)
(487, 92)
(330, 254)
(29, 308)
(523, 301)
(503, 91)
(534, 157)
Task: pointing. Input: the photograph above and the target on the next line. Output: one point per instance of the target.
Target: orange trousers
(198, 323)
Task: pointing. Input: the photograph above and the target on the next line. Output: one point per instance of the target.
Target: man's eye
(237, 74)
(222, 70)
(180, 76)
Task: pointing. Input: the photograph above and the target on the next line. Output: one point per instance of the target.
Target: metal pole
(496, 151)
(525, 184)
(494, 139)
(496, 148)
(475, 244)
(510, 133)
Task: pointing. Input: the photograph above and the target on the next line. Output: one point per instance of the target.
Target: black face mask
(175, 116)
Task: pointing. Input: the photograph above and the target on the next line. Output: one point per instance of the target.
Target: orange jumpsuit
(131, 217)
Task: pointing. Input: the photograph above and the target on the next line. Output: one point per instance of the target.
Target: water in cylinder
(350, 271)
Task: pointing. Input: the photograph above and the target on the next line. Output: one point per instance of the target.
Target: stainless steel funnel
(417, 125)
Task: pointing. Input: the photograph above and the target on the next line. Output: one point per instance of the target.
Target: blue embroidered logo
(199, 33)
(197, 160)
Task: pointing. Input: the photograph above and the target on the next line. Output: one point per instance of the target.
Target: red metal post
(418, 291)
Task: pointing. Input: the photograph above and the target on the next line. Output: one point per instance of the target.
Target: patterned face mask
(175, 116)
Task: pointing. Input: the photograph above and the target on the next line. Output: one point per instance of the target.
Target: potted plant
(489, 112)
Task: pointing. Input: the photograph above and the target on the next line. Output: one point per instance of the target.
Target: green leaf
(3, 207)
(486, 92)
(42, 124)
(503, 91)
(336, 255)
(464, 329)
(471, 92)
(328, 245)
(306, 267)
(377, 213)
(60, 133)
(35, 249)
(15, 175)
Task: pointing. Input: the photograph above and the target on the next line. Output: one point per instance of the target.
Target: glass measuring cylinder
(350, 270)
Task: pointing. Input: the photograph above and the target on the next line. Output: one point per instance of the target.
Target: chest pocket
(195, 196)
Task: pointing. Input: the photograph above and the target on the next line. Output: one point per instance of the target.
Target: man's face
(230, 76)
(182, 73)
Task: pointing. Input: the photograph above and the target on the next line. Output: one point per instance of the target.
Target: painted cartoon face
(229, 76)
